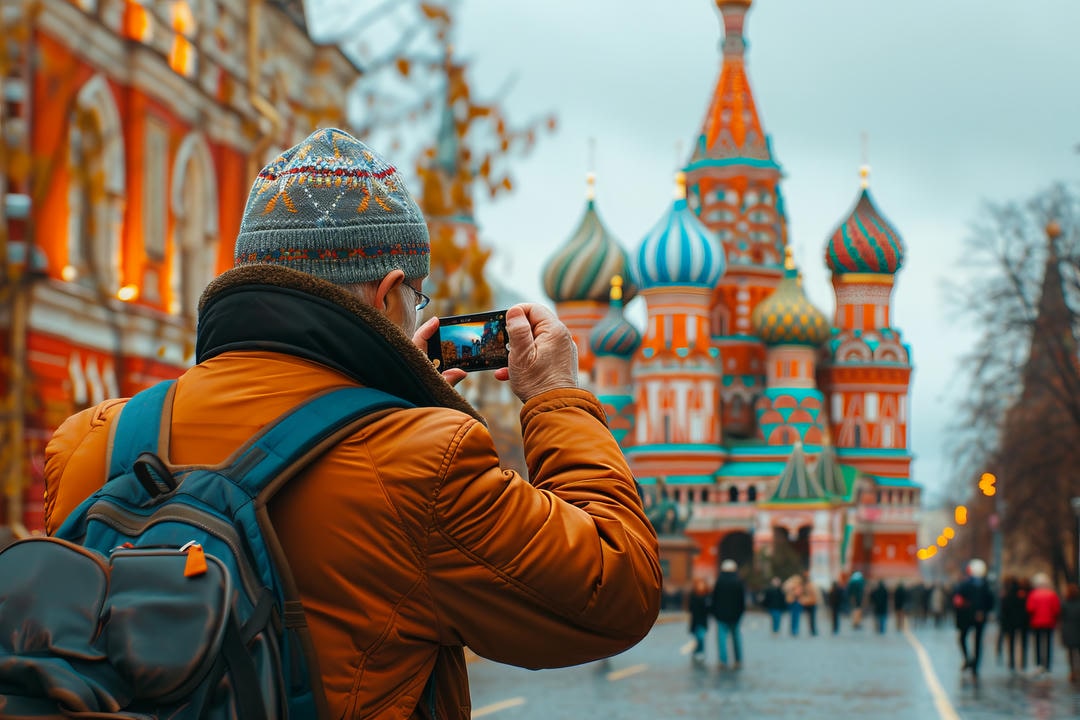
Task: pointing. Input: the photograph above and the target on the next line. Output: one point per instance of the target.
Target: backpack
(166, 594)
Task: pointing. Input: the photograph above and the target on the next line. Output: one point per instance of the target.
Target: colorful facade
(739, 403)
(133, 129)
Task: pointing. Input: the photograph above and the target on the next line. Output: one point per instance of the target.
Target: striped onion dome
(614, 335)
(680, 250)
(865, 242)
(584, 265)
(787, 317)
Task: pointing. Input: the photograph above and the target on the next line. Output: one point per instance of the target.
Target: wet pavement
(856, 674)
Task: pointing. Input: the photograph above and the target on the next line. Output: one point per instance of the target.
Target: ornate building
(739, 404)
(132, 129)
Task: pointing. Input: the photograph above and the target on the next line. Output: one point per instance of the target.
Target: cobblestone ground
(909, 676)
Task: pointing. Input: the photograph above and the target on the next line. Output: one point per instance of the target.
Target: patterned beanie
(331, 207)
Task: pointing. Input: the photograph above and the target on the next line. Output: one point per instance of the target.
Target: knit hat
(333, 208)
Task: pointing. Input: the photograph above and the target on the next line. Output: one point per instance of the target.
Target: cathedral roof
(787, 317)
(830, 475)
(796, 483)
(614, 335)
(583, 267)
(865, 242)
(680, 250)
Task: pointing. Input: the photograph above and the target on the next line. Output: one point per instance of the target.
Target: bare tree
(1020, 416)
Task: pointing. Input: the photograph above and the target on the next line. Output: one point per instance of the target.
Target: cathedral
(757, 424)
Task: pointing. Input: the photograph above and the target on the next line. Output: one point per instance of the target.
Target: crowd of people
(1029, 613)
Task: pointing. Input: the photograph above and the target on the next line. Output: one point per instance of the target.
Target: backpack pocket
(165, 628)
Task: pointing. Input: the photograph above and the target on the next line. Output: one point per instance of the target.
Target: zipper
(132, 524)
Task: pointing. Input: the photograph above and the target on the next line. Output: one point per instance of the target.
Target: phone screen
(471, 342)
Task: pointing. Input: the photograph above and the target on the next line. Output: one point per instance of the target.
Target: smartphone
(471, 342)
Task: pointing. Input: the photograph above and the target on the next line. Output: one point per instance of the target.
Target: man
(773, 601)
(407, 540)
(879, 601)
(973, 600)
(856, 587)
(728, 605)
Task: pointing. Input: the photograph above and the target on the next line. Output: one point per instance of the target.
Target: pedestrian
(792, 596)
(879, 601)
(919, 601)
(728, 605)
(938, 599)
(972, 601)
(856, 588)
(773, 601)
(1070, 631)
(836, 603)
(1013, 620)
(406, 538)
(1044, 608)
(900, 603)
(808, 598)
(700, 606)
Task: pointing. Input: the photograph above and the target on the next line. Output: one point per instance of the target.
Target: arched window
(96, 188)
(733, 494)
(751, 494)
(195, 238)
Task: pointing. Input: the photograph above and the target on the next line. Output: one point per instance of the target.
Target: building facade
(133, 130)
(764, 425)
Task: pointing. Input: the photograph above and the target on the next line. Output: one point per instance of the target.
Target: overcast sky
(962, 100)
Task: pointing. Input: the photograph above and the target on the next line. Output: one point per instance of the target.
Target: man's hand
(543, 355)
(420, 339)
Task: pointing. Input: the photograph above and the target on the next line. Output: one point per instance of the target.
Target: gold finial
(789, 258)
(864, 169)
(680, 185)
(590, 185)
(616, 287)
(1053, 230)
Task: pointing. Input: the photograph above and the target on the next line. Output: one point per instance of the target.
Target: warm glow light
(986, 484)
(69, 273)
(931, 551)
(942, 540)
(921, 554)
(128, 293)
(961, 515)
(949, 533)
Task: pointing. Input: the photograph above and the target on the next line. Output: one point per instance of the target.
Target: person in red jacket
(1044, 608)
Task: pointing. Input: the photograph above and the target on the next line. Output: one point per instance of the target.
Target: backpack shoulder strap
(138, 429)
(282, 449)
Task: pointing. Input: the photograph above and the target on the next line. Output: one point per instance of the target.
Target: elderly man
(407, 540)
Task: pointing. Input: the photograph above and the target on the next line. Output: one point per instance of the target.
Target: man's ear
(386, 285)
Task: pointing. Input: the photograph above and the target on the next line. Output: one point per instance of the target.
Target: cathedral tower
(676, 373)
(734, 187)
(867, 369)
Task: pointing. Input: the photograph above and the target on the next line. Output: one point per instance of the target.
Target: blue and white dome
(680, 250)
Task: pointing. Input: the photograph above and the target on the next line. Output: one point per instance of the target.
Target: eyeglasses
(422, 300)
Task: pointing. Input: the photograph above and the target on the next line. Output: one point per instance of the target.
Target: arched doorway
(737, 546)
(790, 554)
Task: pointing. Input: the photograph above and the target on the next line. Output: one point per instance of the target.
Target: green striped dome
(583, 267)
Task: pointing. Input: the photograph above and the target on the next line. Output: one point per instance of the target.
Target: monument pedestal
(677, 562)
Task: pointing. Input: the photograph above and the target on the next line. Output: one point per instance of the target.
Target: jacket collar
(277, 309)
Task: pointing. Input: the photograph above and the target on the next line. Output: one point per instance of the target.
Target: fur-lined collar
(277, 309)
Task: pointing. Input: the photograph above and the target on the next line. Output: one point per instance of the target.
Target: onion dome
(582, 267)
(614, 335)
(787, 317)
(680, 250)
(865, 242)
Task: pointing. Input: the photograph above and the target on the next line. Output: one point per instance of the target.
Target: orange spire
(732, 122)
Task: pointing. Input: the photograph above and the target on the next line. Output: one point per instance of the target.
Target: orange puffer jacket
(407, 540)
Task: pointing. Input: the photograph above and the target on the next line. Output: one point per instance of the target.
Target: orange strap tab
(196, 561)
